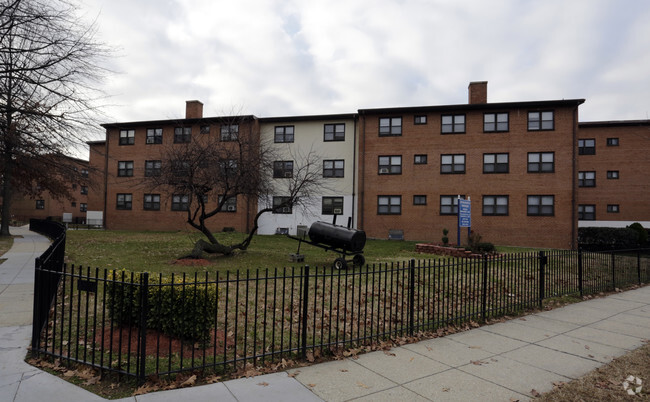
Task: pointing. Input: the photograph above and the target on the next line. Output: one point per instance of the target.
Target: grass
(5, 245)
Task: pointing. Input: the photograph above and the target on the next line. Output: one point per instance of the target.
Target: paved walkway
(498, 362)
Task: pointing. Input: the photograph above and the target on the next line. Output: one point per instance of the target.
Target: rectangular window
(84, 172)
(586, 212)
(495, 205)
(125, 168)
(127, 137)
(390, 164)
(40, 204)
(152, 168)
(612, 142)
(496, 163)
(586, 179)
(389, 205)
(420, 159)
(154, 135)
(541, 162)
(419, 200)
(453, 124)
(332, 206)
(495, 122)
(74, 204)
(333, 168)
(612, 174)
(83, 207)
(152, 202)
(180, 202)
(390, 126)
(541, 121)
(587, 147)
(124, 201)
(229, 132)
(334, 132)
(281, 205)
(182, 135)
(205, 129)
(449, 204)
(282, 169)
(541, 205)
(84, 190)
(452, 164)
(613, 208)
(228, 167)
(420, 119)
(230, 205)
(283, 134)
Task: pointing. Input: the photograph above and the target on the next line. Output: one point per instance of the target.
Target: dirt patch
(192, 262)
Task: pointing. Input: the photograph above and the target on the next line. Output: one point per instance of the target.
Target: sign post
(464, 215)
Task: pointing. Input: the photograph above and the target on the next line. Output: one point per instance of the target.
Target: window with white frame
(389, 205)
(453, 124)
(390, 164)
(334, 132)
(495, 205)
(495, 122)
(334, 168)
(496, 163)
(541, 162)
(332, 206)
(541, 120)
(390, 126)
(541, 205)
(452, 164)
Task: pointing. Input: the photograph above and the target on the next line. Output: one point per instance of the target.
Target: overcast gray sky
(292, 57)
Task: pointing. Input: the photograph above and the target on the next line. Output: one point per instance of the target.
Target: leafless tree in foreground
(49, 72)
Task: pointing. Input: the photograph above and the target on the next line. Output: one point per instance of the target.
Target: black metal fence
(266, 315)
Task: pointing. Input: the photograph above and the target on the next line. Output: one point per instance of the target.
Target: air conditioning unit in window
(150, 140)
(286, 210)
(384, 171)
(231, 208)
(338, 211)
(288, 174)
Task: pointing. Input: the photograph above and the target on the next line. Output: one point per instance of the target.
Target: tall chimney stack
(193, 109)
(478, 92)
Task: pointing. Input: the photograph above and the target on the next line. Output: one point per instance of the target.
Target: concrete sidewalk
(498, 362)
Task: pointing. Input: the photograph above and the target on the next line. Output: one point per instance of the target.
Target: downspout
(354, 173)
(574, 207)
(362, 174)
(106, 150)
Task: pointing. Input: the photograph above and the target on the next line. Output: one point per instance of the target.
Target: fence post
(411, 296)
(543, 259)
(580, 288)
(638, 265)
(485, 290)
(304, 301)
(144, 301)
(613, 270)
(36, 316)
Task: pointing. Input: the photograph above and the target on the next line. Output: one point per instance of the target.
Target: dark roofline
(96, 142)
(476, 106)
(342, 116)
(614, 123)
(215, 119)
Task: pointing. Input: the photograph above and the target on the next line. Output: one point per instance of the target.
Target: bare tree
(209, 172)
(49, 72)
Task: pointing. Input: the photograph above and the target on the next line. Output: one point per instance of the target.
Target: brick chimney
(193, 109)
(478, 92)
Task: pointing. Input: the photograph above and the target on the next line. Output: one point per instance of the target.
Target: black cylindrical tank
(337, 236)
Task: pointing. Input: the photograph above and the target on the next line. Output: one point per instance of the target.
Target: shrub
(602, 238)
(228, 229)
(641, 232)
(483, 247)
(445, 239)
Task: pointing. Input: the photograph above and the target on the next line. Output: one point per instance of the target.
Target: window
(587, 147)
(333, 168)
(495, 205)
(281, 205)
(612, 174)
(612, 142)
(541, 162)
(74, 186)
(420, 119)
(125, 168)
(389, 205)
(541, 121)
(282, 169)
(152, 202)
(613, 208)
(283, 134)
(84, 190)
(495, 122)
(154, 135)
(230, 205)
(586, 212)
(495, 163)
(541, 205)
(452, 164)
(124, 201)
(390, 126)
(449, 204)
(40, 204)
(586, 179)
(74, 204)
(205, 129)
(152, 168)
(332, 206)
(334, 132)
(182, 135)
(420, 159)
(453, 124)
(229, 132)
(83, 207)
(180, 202)
(390, 164)
(228, 167)
(127, 137)
(419, 200)
(84, 172)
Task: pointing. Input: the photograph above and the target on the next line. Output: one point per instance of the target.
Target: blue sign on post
(464, 215)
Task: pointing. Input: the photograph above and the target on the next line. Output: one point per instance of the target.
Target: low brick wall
(429, 248)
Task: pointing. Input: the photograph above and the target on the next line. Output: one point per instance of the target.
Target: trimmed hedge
(178, 309)
(603, 238)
